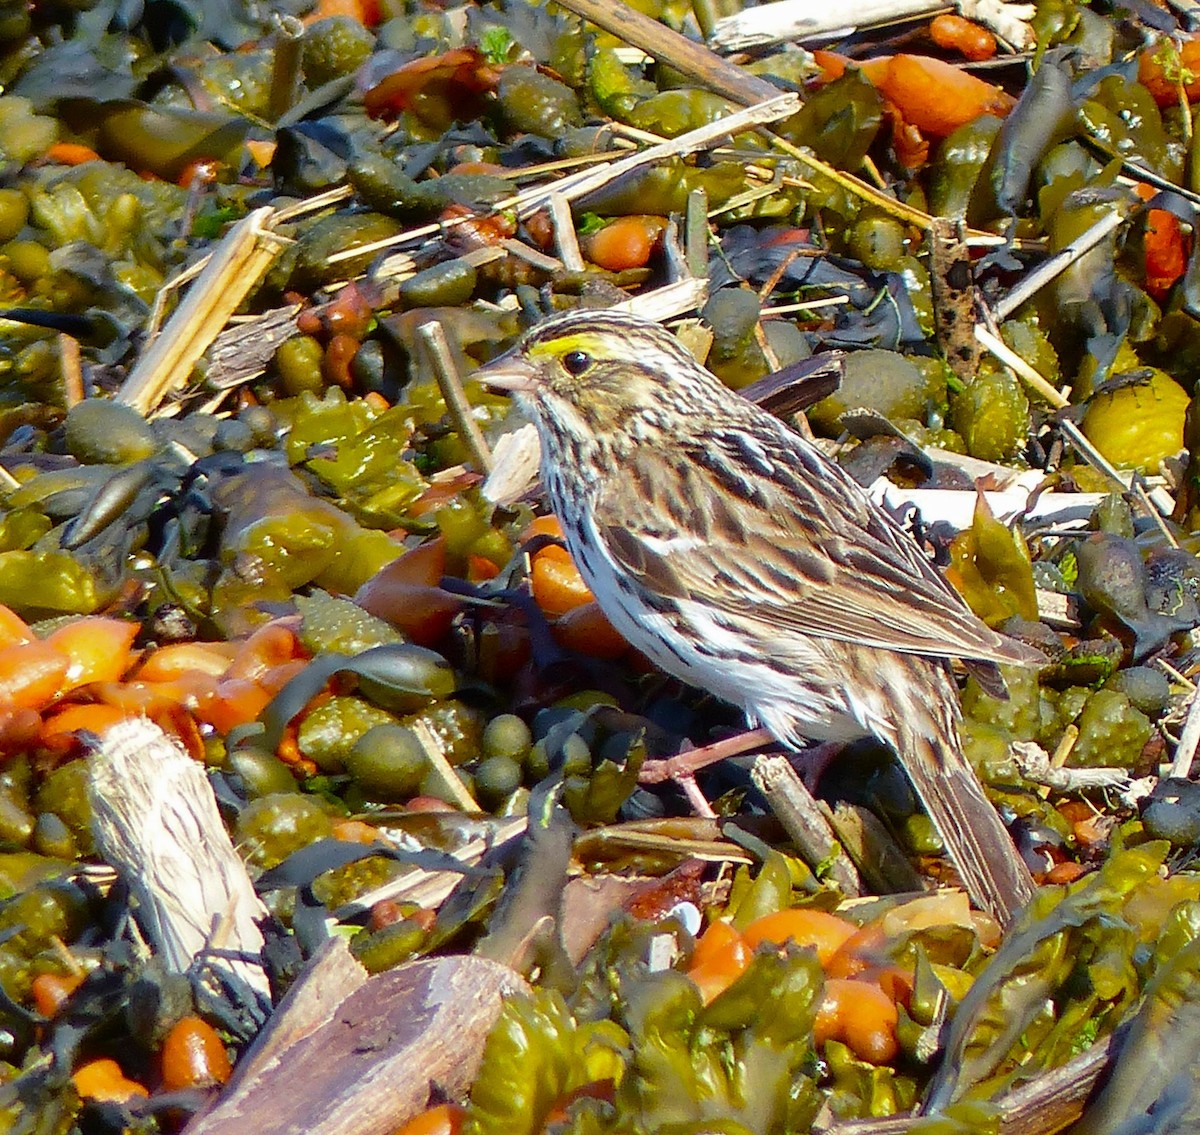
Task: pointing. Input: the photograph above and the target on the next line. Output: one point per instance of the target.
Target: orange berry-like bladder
(193, 1056)
(103, 1081)
(861, 1016)
(822, 931)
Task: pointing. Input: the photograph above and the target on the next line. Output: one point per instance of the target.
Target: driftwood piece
(589, 903)
(1046, 1105)
(156, 823)
(693, 59)
(804, 20)
(879, 859)
(953, 286)
(350, 1055)
(242, 351)
(328, 978)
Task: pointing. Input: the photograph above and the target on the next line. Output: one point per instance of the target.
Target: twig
(565, 239)
(760, 192)
(1174, 674)
(1064, 749)
(579, 184)
(71, 366)
(1139, 489)
(859, 188)
(1018, 365)
(450, 384)
(764, 345)
(314, 204)
(696, 233)
(1185, 751)
(655, 772)
(1098, 461)
(435, 752)
(1057, 264)
(808, 305)
(1035, 765)
(669, 301)
(693, 795)
(1091, 454)
(531, 255)
(430, 888)
(802, 818)
(881, 862)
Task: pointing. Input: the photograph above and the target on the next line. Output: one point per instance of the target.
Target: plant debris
(258, 517)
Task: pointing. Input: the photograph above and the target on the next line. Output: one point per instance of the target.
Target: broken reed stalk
(566, 241)
(285, 68)
(704, 137)
(233, 270)
(583, 182)
(435, 752)
(224, 278)
(1057, 264)
(1031, 377)
(1092, 455)
(430, 888)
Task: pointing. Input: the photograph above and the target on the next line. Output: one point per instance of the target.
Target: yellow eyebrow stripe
(591, 343)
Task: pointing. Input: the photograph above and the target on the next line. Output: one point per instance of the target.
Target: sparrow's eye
(576, 362)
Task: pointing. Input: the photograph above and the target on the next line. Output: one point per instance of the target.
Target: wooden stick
(804, 821)
(693, 59)
(434, 338)
(1185, 751)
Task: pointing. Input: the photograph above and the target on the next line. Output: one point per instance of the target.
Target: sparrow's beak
(510, 373)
